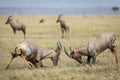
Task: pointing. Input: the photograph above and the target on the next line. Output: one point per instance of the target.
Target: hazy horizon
(97, 7)
(59, 3)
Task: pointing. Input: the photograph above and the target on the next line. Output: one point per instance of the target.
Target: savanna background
(46, 35)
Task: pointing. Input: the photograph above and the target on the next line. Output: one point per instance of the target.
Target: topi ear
(74, 50)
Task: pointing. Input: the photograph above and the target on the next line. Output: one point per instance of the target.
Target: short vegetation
(46, 35)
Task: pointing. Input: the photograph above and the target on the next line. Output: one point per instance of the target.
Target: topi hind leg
(94, 57)
(62, 31)
(40, 64)
(94, 60)
(114, 52)
(24, 32)
(67, 31)
(68, 34)
(88, 59)
(23, 57)
(14, 31)
(31, 64)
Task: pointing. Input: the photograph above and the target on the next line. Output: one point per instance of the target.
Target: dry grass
(46, 35)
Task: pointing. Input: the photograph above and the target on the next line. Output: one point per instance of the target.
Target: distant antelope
(42, 21)
(94, 47)
(33, 55)
(16, 25)
(64, 26)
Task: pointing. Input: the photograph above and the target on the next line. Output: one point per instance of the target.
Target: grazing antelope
(64, 26)
(94, 47)
(33, 55)
(42, 21)
(16, 25)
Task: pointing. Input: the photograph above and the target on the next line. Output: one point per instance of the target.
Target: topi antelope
(64, 26)
(94, 47)
(42, 21)
(33, 55)
(16, 25)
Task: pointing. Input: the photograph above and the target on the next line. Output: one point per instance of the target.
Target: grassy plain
(46, 35)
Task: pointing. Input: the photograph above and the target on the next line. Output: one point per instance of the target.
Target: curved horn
(59, 46)
(9, 17)
(43, 57)
(67, 53)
